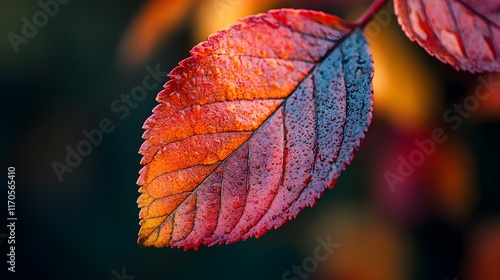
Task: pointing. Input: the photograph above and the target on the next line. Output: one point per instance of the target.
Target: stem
(371, 12)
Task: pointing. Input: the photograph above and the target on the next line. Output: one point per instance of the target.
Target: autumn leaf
(252, 128)
(462, 33)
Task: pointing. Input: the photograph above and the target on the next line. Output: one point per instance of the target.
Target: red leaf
(462, 33)
(252, 128)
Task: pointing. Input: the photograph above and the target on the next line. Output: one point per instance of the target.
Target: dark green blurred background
(442, 222)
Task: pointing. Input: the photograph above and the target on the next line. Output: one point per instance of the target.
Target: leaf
(462, 33)
(252, 128)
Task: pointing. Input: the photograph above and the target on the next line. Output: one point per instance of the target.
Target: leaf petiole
(371, 12)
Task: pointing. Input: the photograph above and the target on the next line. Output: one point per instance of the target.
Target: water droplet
(235, 204)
